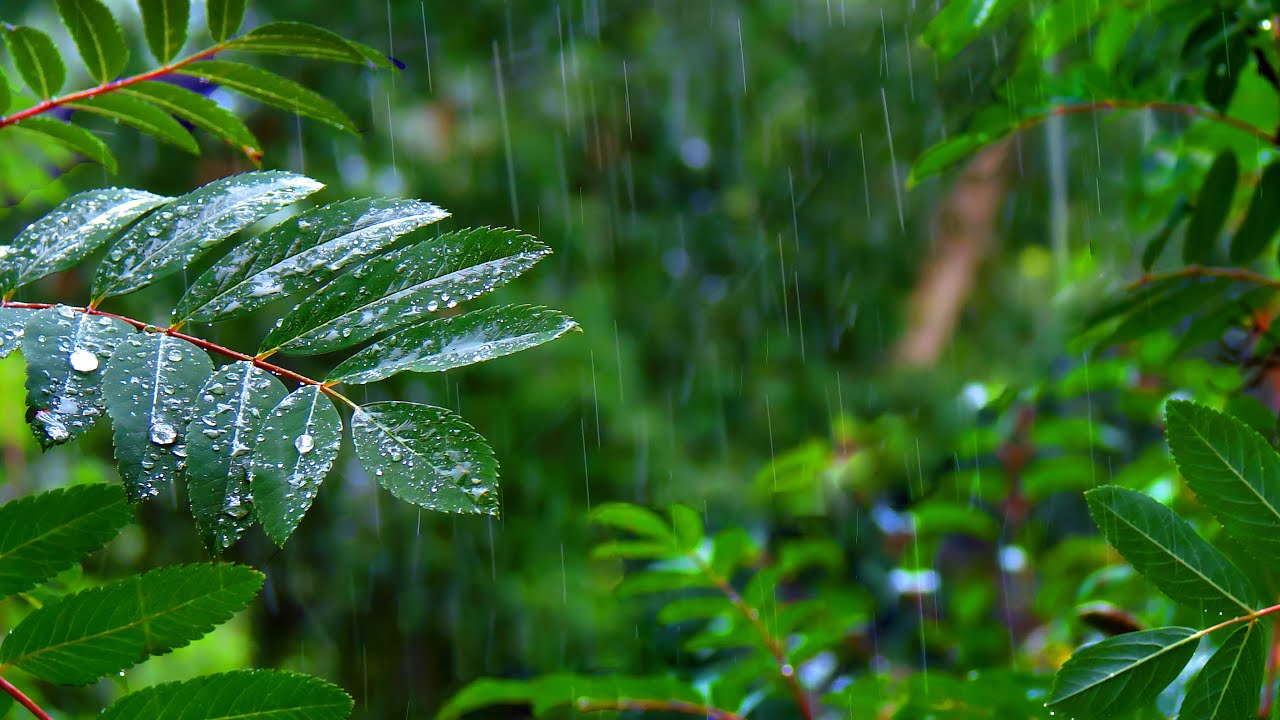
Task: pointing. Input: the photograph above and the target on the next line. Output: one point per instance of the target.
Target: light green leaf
(632, 549)
(70, 136)
(1122, 672)
(404, 286)
(5, 97)
(298, 40)
(37, 60)
(1170, 554)
(634, 519)
(82, 637)
(1212, 205)
(66, 351)
(170, 238)
(198, 110)
(165, 24)
(963, 21)
(13, 324)
(702, 607)
(258, 694)
(300, 254)
(75, 228)
(688, 526)
(149, 388)
(582, 693)
(1232, 469)
(140, 115)
(97, 36)
(224, 17)
(1230, 683)
(269, 88)
(229, 414)
(298, 444)
(438, 345)
(427, 456)
(42, 535)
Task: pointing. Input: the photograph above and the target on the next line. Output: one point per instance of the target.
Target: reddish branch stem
(1194, 111)
(1273, 660)
(23, 700)
(1193, 271)
(674, 706)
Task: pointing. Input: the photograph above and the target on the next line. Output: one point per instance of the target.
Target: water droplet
(305, 444)
(83, 361)
(163, 433)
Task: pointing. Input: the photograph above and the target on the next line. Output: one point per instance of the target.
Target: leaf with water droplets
(66, 350)
(300, 254)
(438, 345)
(171, 237)
(229, 413)
(150, 387)
(404, 286)
(13, 324)
(426, 455)
(76, 227)
(296, 449)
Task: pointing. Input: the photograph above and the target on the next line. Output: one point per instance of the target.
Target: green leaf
(632, 549)
(1170, 554)
(230, 411)
(296, 449)
(13, 324)
(442, 344)
(72, 137)
(198, 110)
(149, 388)
(66, 351)
(42, 535)
(688, 526)
(702, 607)
(224, 17)
(140, 115)
(300, 254)
(1232, 470)
(170, 238)
(5, 98)
(962, 21)
(298, 40)
(75, 228)
(1262, 220)
(634, 519)
(403, 286)
(948, 153)
(1212, 205)
(258, 694)
(79, 638)
(269, 88)
(583, 693)
(165, 24)
(1121, 672)
(97, 36)
(1156, 245)
(37, 60)
(1230, 683)
(427, 456)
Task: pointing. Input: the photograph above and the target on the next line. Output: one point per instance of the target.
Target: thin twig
(1193, 111)
(23, 700)
(1195, 271)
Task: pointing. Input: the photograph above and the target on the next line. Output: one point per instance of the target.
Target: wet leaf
(1262, 220)
(66, 351)
(140, 115)
(404, 286)
(97, 36)
(272, 89)
(1230, 683)
(224, 17)
(47, 533)
(230, 411)
(298, 444)
(172, 236)
(1122, 672)
(1212, 205)
(165, 25)
(297, 39)
(80, 638)
(36, 59)
(198, 110)
(300, 254)
(150, 387)
(438, 345)
(427, 456)
(13, 323)
(73, 137)
(259, 694)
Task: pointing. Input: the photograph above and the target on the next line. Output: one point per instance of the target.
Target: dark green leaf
(1169, 553)
(948, 153)
(13, 324)
(1230, 683)
(82, 637)
(438, 345)
(1122, 672)
(37, 60)
(149, 388)
(298, 443)
(97, 36)
(198, 110)
(299, 40)
(165, 24)
(269, 88)
(140, 115)
(1232, 469)
(174, 235)
(583, 693)
(229, 411)
(1263, 219)
(402, 287)
(427, 456)
(1155, 246)
(1223, 68)
(258, 694)
(224, 17)
(72, 137)
(300, 254)
(66, 351)
(1212, 205)
(694, 608)
(42, 535)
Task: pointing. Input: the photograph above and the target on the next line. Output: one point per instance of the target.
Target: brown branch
(1192, 111)
(673, 706)
(1195, 271)
(23, 700)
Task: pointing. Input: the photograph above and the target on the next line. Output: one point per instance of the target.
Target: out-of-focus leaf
(634, 519)
(37, 59)
(272, 89)
(41, 535)
(1156, 245)
(1212, 205)
(165, 25)
(257, 694)
(97, 36)
(962, 21)
(1122, 672)
(1262, 220)
(1230, 683)
(688, 526)
(583, 693)
(299, 442)
(70, 136)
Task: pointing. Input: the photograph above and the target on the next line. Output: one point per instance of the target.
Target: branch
(23, 700)
(673, 706)
(1194, 271)
(1192, 111)
(258, 361)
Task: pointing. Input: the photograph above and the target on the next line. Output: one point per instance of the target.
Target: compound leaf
(298, 444)
(42, 535)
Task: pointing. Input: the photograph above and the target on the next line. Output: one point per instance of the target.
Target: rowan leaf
(42, 535)
(37, 60)
(97, 36)
(258, 694)
(274, 90)
(298, 445)
(165, 24)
